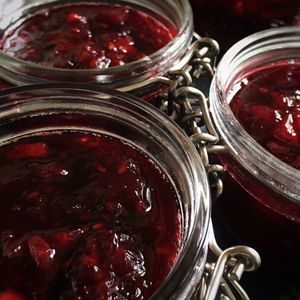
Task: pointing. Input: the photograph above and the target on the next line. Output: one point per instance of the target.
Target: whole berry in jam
(88, 36)
(268, 106)
(84, 217)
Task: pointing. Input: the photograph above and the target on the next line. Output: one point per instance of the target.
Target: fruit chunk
(104, 260)
(74, 17)
(41, 252)
(11, 295)
(36, 150)
(262, 115)
(268, 107)
(285, 131)
(92, 214)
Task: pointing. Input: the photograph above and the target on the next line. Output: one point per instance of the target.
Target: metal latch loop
(190, 108)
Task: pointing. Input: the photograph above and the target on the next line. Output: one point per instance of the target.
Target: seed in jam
(268, 106)
(88, 36)
(84, 216)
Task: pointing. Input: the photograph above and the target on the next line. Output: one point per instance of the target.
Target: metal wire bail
(189, 106)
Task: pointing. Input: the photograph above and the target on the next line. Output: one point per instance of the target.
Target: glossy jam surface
(88, 36)
(267, 104)
(228, 21)
(84, 217)
(268, 107)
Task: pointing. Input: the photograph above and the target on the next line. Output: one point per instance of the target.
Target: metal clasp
(222, 277)
(191, 109)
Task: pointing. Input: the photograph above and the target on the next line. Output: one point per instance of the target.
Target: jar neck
(178, 12)
(7, 6)
(263, 48)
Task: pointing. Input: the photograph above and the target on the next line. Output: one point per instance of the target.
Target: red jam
(228, 21)
(268, 107)
(84, 217)
(267, 104)
(88, 36)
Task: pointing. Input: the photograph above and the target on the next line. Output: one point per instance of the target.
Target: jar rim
(121, 102)
(249, 153)
(183, 36)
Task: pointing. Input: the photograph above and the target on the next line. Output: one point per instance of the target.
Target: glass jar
(55, 108)
(260, 204)
(6, 6)
(36, 110)
(230, 21)
(130, 76)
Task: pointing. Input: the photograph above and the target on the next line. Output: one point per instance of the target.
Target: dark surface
(228, 21)
(265, 283)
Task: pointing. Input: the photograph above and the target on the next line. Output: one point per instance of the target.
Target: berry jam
(88, 36)
(268, 107)
(228, 21)
(266, 102)
(84, 217)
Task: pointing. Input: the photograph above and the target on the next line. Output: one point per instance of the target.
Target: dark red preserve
(266, 102)
(88, 36)
(268, 107)
(84, 216)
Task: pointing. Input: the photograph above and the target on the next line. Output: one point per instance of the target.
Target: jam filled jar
(102, 197)
(256, 108)
(120, 44)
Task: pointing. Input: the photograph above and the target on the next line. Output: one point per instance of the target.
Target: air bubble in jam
(84, 217)
(88, 36)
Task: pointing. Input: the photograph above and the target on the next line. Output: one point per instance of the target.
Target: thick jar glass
(6, 6)
(260, 204)
(56, 108)
(178, 13)
(228, 21)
